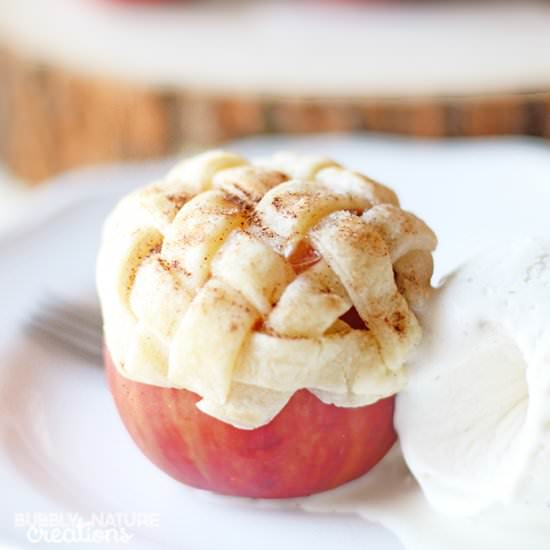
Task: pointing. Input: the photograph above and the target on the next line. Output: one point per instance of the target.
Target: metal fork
(72, 327)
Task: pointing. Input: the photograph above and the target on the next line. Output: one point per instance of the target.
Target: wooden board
(60, 110)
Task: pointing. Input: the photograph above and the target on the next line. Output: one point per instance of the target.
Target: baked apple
(308, 447)
(258, 318)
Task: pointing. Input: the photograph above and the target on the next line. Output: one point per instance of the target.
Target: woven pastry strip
(199, 290)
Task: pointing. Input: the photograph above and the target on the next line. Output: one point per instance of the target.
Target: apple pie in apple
(245, 284)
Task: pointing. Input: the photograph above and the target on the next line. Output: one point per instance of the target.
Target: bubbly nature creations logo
(74, 528)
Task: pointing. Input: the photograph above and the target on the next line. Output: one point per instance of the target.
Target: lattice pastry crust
(200, 287)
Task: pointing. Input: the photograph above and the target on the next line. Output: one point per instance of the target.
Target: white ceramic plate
(62, 446)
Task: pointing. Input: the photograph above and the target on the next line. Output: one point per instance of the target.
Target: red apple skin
(307, 448)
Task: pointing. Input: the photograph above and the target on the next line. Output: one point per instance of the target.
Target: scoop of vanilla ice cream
(474, 421)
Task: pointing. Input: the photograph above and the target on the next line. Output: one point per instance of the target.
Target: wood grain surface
(52, 119)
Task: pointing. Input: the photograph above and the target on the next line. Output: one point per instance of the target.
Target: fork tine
(70, 326)
(89, 316)
(57, 321)
(67, 341)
